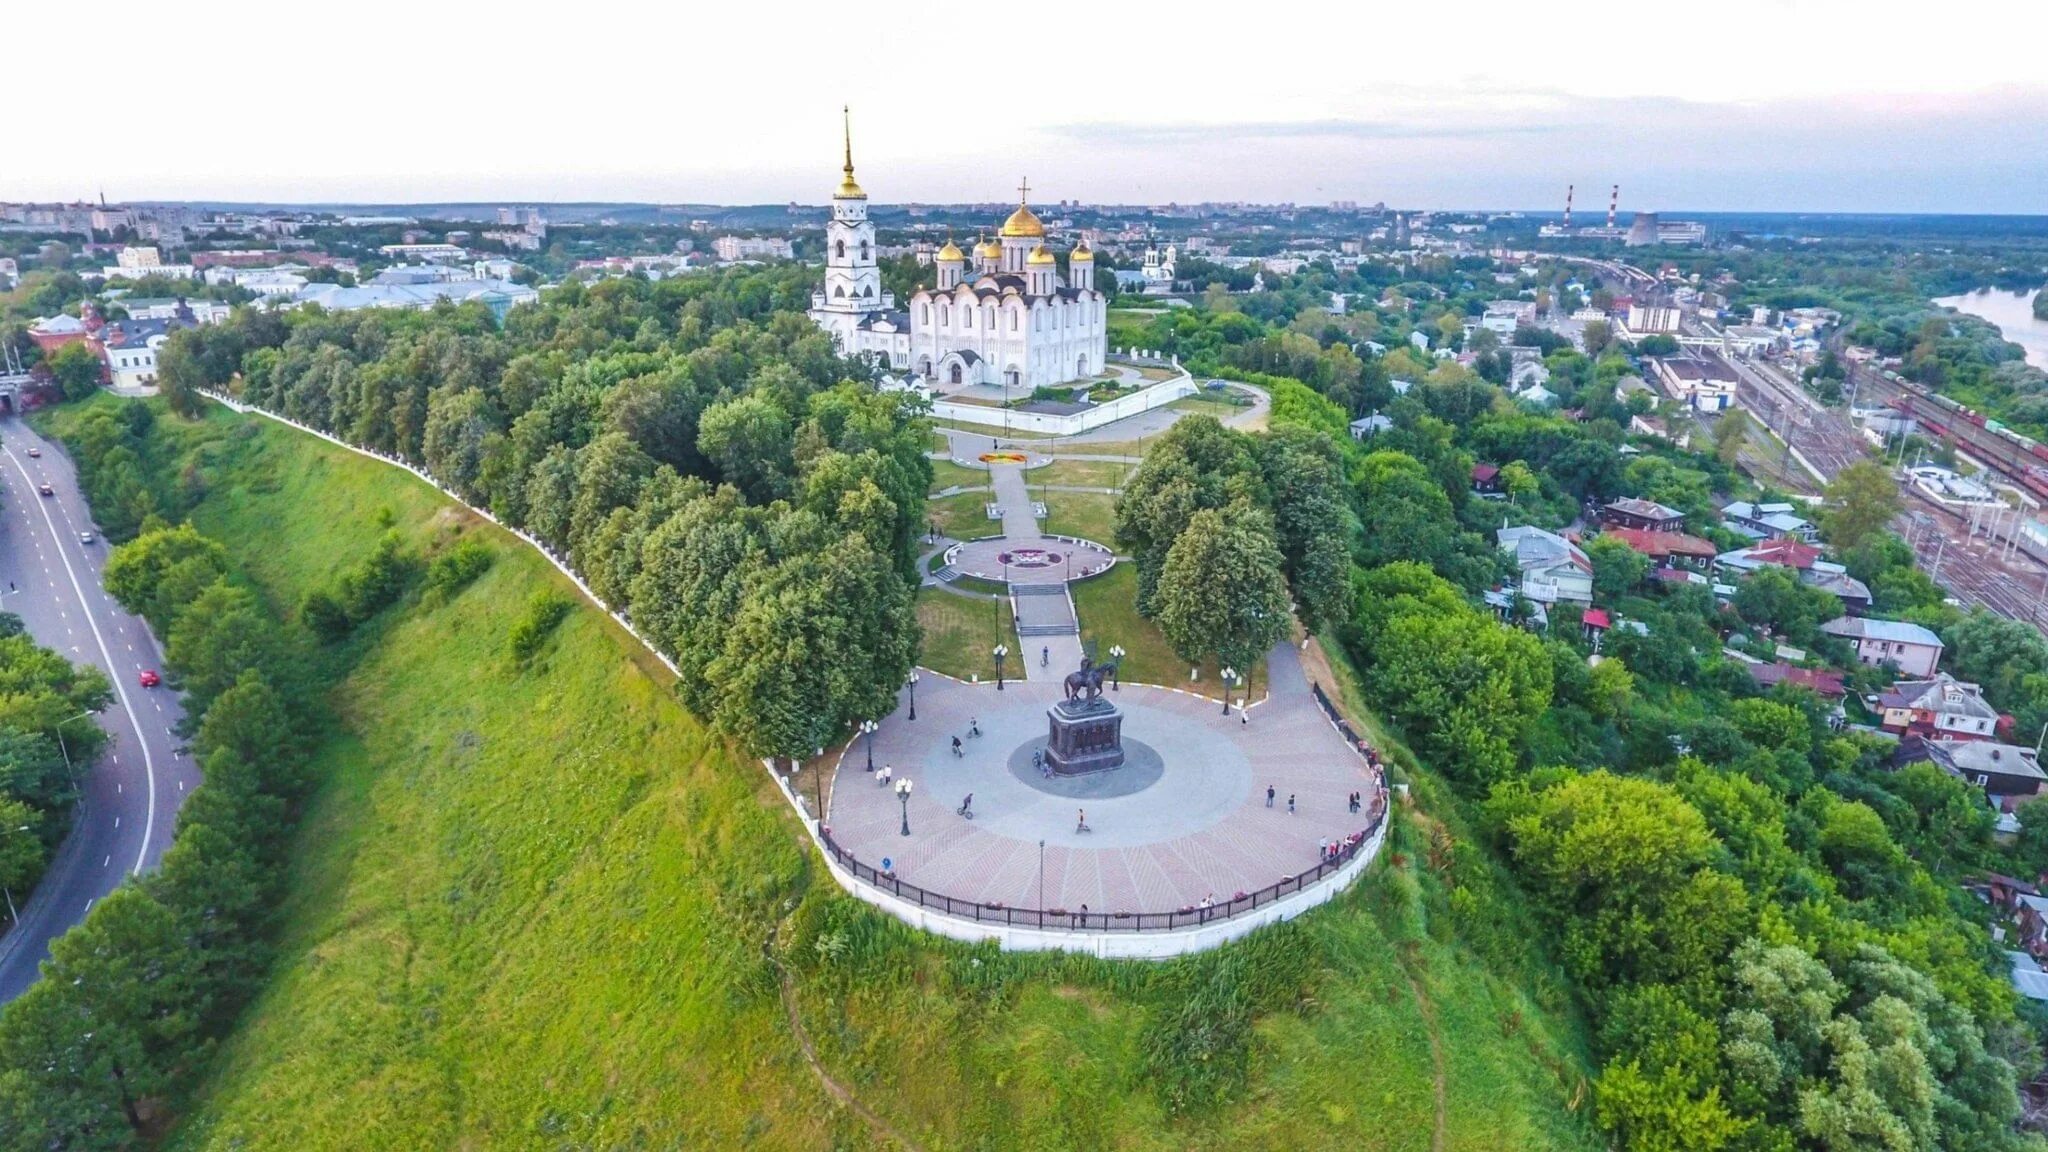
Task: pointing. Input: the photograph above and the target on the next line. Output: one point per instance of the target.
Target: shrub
(455, 569)
(544, 611)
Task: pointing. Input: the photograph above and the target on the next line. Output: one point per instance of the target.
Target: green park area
(1089, 515)
(946, 474)
(963, 515)
(553, 863)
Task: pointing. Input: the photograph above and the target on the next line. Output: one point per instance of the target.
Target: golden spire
(848, 188)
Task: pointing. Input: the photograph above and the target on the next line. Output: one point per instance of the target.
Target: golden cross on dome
(1023, 191)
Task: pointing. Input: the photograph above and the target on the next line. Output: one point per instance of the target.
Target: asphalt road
(131, 796)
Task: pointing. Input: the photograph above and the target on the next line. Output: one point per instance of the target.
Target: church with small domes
(1003, 316)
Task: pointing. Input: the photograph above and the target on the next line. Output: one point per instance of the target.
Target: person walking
(1269, 795)
(1045, 656)
(1081, 820)
(1290, 803)
(1323, 847)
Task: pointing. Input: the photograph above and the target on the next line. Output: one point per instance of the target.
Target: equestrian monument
(1086, 730)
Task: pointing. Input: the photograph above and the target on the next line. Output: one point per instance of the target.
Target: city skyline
(1750, 109)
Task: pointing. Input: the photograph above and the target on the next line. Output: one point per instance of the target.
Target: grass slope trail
(527, 910)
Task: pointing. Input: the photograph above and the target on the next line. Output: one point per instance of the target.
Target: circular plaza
(1182, 823)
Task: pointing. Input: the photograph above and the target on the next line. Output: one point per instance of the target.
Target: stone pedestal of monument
(1084, 736)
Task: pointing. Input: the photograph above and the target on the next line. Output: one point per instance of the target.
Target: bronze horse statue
(1086, 685)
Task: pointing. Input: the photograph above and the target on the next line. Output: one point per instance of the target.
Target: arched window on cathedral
(988, 318)
(838, 292)
(945, 316)
(924, 314)
(863, 249)
(839, 248)
(1013, 321)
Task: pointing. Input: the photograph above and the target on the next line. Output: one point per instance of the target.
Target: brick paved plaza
(1191, 820)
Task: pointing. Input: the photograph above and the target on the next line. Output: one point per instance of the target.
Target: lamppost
(913, 693)
(1229, 678)
(868, 727)
(1041, 880)
(12, 918)
(999, 651)
(66, 752)
(903, 793)
(1116, 667)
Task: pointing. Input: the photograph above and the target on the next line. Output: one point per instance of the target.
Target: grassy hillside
(529, 906)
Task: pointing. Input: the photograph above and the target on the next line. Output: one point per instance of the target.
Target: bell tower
(853, 283)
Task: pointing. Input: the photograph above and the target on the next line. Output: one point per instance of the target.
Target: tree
(1221, 591)
(1617, 568)
(21, 849)
(750, 441)
(1730, 432)
(1199, 464)
(75, 370)
(1312, 522)
(1596, 336)
(1862, 501)
(1449, 327)
(105, 1030)
(1519, 481)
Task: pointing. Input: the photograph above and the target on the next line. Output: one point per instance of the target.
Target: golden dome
(1040, 255)
(1023, 224)
(950, 252)
(1082, 251)
(990, 250)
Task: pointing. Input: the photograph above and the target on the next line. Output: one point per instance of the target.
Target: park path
(1048, 636)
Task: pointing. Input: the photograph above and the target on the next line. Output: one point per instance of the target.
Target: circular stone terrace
(1030, 560)
(1181, 827)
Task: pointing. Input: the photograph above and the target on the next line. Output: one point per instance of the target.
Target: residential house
(1942, 708)
(1806, 564)
(1826, 685)
(130, 348)
(1666, 549)
(1912, 648)
(1366, 427)
(1537, 396)
(1647, 515)
(1769, 522)
(1552, 567)
(1485, 479)
(2009, 774)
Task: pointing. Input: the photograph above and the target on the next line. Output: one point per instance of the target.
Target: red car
(35, 453)
(149, 678)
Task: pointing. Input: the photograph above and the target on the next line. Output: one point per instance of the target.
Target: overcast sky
(1877, 105)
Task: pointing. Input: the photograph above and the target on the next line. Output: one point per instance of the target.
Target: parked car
(47, 490)
(149, 678)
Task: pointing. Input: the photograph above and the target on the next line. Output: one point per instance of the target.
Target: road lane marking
(120, 689)
(107, 861)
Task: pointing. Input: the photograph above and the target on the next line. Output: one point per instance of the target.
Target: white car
(85, 537)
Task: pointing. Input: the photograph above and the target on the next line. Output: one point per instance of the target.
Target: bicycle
(966, 808)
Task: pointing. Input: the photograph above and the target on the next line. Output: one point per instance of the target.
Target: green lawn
(1204, 404)
(958, 633)
(1089, 515)
(1080, 473)
(963, 515)
(946, 474)
(527, 910)
(1107, 607)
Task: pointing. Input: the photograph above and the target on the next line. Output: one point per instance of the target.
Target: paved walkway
(1200, 829)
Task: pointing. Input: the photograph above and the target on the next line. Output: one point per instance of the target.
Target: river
(2013, 312)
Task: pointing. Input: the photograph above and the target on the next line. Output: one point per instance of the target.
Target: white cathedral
(1013, 321)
